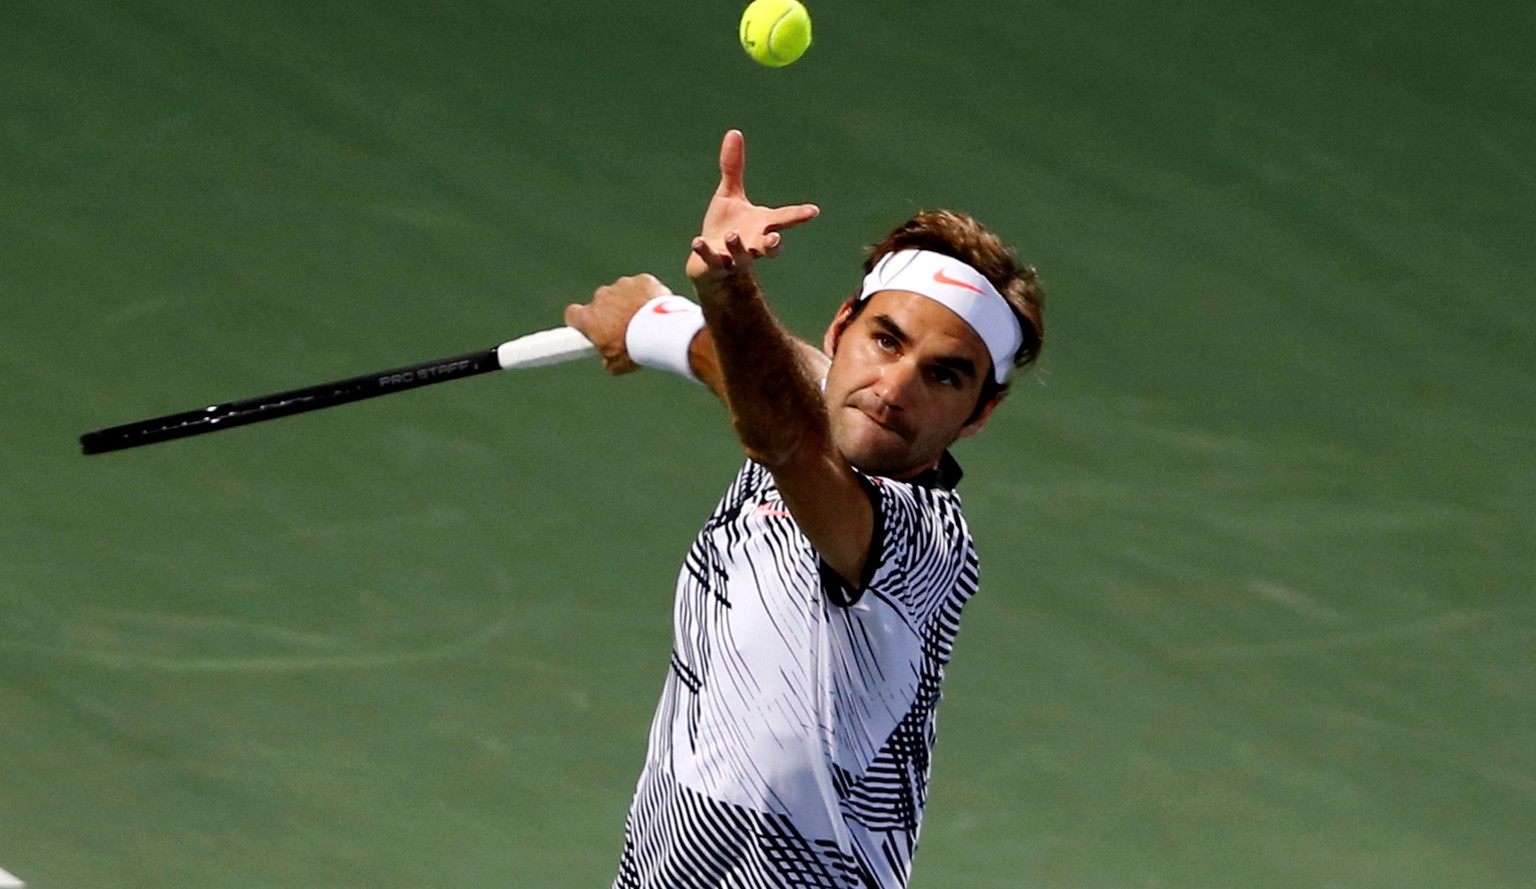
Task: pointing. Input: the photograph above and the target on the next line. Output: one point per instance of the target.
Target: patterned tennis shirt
(792, 743)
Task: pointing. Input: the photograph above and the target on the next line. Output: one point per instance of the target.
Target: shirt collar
(945, 476)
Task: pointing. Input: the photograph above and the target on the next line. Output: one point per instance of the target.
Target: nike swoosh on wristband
(668, 308)
(942, 278)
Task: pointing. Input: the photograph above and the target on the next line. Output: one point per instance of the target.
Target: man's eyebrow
(890, 327)
(959, 364)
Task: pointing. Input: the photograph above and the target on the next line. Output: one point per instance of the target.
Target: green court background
(1258, 538)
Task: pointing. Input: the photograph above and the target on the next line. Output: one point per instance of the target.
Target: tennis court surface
(1257, 538)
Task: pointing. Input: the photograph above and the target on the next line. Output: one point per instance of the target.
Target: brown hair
(962, 237)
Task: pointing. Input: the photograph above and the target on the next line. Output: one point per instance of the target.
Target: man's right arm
(605, 321)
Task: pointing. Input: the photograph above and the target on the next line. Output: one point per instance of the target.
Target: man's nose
(898, 383)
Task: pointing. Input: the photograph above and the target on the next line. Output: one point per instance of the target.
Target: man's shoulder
(926, 511)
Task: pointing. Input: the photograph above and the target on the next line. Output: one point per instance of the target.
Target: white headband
(959, 288)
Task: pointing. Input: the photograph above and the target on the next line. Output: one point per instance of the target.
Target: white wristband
(660, 333)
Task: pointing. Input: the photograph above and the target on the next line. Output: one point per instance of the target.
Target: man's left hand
(731, 211)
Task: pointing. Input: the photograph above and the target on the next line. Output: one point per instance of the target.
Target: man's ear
(975, 425)
(838, 325)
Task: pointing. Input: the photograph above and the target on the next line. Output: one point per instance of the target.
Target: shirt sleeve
(920, 550)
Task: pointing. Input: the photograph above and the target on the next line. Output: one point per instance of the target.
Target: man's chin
(874, 449)
(876, 458)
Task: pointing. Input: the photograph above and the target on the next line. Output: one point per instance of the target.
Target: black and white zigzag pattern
(793, 741)
(698, 843)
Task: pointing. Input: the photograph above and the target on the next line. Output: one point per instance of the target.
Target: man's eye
(945, 377)
(885, 341)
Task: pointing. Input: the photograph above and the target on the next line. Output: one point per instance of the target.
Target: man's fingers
(733, 165)
(737, 254)
(574, 315)
(619, 365)
(740, 254)
(781, 218)
(769, 246)
(714, 261)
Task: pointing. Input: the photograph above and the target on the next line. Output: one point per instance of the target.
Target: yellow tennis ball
(776, 32)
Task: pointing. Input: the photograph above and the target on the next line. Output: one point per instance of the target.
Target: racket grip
(553, 346)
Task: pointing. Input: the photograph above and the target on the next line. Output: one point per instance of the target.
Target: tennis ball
(775, 32)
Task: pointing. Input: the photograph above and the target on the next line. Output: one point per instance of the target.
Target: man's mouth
(883, 419)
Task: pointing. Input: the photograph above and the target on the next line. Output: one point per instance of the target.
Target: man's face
(905, 378)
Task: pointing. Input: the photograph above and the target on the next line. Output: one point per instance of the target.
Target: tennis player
(816, 610)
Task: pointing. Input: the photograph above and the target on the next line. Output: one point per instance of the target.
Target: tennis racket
(552, 346)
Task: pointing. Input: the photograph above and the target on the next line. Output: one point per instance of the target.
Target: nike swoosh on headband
(942, 278)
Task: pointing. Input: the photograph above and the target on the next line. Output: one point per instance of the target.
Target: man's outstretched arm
(766, 377)
(778, 410)
(769, 380)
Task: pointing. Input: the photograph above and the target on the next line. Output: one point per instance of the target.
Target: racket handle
(553, 346)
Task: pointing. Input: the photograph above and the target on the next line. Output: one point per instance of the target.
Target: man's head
(910, 372)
